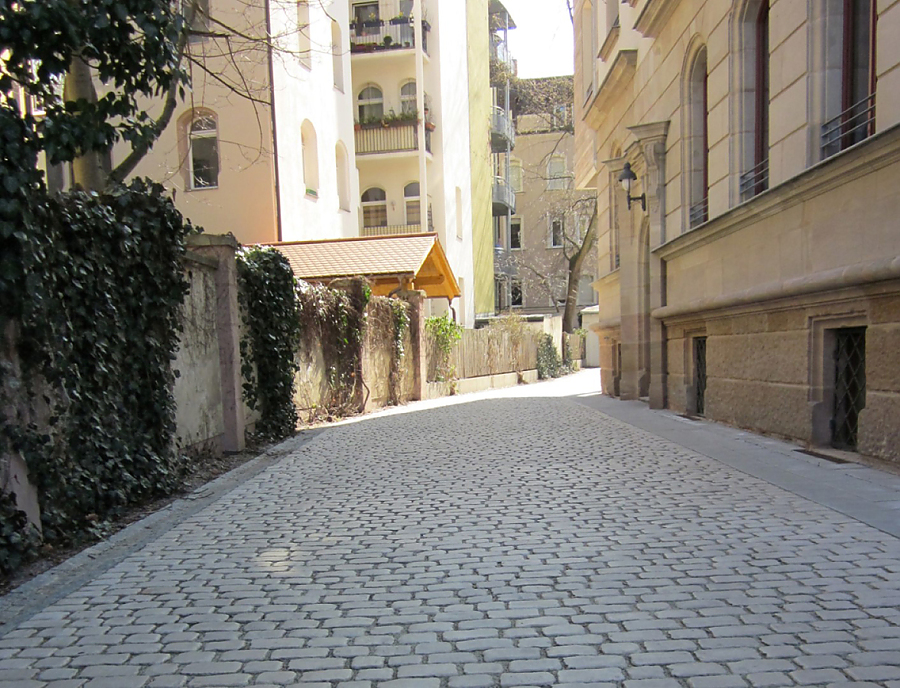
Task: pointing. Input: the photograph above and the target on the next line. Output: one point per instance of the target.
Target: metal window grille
(700, 375)
(755, 180)
(849, 385)
(699, 212)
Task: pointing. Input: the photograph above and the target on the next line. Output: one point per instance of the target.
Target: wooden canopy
(406, 261)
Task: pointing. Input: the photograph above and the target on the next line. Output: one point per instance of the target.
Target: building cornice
(759, 297)
(866, 157)
(620, 73)
(653, 17)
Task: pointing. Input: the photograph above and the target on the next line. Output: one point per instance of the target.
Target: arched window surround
(370, 103)
(750, 99)
(695, 135)
(200, 127)
(310, 150)
(342, 173)
(374, 207)
(412, 203)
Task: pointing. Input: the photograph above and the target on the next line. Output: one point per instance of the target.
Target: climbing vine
(338, 318)
(400, 322)
(271, 312)
(95, 303)
(444, 334)
(548, 362)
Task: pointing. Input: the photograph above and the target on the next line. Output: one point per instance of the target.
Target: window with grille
(849, 385)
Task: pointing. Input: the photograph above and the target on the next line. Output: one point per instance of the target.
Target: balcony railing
(853, 125)
(502, 131)
(392, 230)
(394, 138)
(394, 34)
(699, 212)
(504, 197)
(755, 180)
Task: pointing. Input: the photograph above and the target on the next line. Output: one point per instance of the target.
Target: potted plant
(388, 41)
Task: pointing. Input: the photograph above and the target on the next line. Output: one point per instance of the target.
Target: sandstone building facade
(751, 273)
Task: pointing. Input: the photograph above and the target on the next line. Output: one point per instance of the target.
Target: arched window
(310, 158)
(203, 140)
(413, 206)
(303, 34)
(374, 205)
(343, 176)
(371, 104)
(408, 97)
(752, 33)
(697, 139)
(337, 52)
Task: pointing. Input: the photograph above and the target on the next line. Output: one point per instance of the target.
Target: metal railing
(394, 34)
(393, 230)
(853, 125)
(755, 180)
(699, 212)
(503, 196)
(502, 130)
(395, 138)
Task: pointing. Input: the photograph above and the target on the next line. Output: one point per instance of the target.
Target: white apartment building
(409, 66)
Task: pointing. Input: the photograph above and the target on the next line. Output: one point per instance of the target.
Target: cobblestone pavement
(517, 541)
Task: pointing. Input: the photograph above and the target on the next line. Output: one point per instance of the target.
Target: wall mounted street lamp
(626, 178)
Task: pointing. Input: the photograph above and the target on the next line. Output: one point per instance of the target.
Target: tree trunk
(576, 263)
(87, 170)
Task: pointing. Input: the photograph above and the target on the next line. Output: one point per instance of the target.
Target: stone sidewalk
(515, 538)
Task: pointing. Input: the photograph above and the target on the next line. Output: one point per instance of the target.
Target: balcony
(393, 230)
(373, 139)
(503, 133)
(376, 35)
(504, 198)
(755, 180)
(853, 125)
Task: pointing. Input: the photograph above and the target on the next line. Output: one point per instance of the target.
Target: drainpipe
(274, 123)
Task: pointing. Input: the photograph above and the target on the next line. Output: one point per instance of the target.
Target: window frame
(362, 103)
(551, 238)
(203, 134)
(406, 99)
(519, 221)
(378, 203)
(410, 199)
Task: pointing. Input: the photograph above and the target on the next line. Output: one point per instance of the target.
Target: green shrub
(548, 363)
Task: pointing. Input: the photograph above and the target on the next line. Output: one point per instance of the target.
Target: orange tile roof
(364, 256)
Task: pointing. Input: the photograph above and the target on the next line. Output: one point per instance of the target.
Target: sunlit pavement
(512, 538)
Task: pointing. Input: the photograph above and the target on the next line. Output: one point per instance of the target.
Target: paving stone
(552, 546)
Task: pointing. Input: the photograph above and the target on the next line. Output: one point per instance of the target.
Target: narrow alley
(512, 538)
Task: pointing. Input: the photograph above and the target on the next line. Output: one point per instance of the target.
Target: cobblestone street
(513, 539)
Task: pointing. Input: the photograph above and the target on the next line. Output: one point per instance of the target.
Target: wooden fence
(484, 352)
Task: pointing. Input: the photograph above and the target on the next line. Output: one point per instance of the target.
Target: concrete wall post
(224, 249)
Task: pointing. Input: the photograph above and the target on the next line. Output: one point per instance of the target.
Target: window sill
(201, 188)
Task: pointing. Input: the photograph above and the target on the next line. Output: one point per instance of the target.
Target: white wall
(447, 82)
(302, 93)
